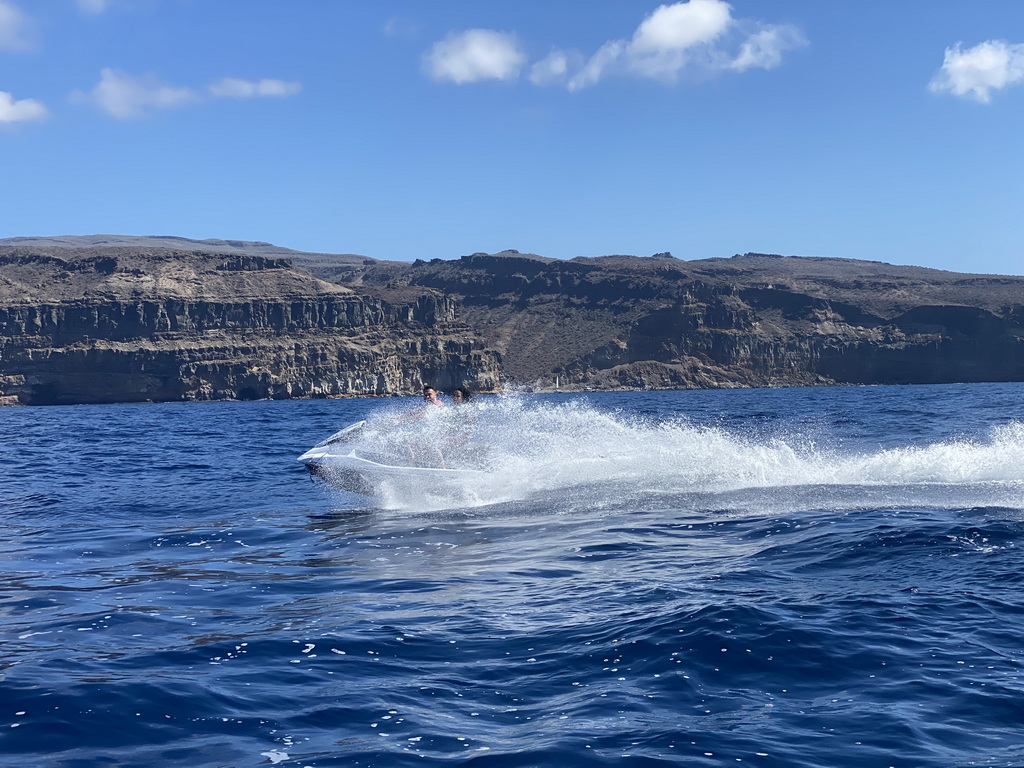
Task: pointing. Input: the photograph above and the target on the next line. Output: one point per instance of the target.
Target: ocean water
(783, 578)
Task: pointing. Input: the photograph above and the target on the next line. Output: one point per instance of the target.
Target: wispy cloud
(553, 68)
(14, 28)
(698, 38)
(475, 55)
(127, 96)
(400, 26)
(763, 49)
(607, 58)
(20, 110)
(236, 88)
(975, 72)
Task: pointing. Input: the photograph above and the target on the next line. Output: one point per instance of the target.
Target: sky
(402, 129)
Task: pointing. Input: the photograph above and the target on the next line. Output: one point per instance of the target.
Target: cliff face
(123, 325)
(104, 324)
(752, 320)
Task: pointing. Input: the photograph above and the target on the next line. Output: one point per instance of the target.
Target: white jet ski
(339, 461)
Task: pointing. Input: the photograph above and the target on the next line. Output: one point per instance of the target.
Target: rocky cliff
(123, 324)
(752, 320)
(106, 323)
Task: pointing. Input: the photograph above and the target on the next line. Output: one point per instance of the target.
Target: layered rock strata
(124, 325)
(104, 324)
(752, 320)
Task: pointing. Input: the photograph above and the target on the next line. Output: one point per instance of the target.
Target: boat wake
(512, 448)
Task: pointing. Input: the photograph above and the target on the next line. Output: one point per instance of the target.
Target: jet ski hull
(336, 462)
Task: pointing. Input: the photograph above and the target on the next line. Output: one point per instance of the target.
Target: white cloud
(664, 44)
(474, 55)
(764, 48)
(680, 26)
(975, 72)
(124, 96)
(13, 28)
(607, 58)
(552, 69)
(20, 111)
(689, 37)
(236, 88)
(696, 38)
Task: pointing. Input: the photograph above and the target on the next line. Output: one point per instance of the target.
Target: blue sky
(891, 131)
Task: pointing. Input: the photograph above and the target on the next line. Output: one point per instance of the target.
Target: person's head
(461, 395)
(429, 393)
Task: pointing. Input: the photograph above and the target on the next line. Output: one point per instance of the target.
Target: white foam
(530, 447)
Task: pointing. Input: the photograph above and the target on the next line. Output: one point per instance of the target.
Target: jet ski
(342, 461)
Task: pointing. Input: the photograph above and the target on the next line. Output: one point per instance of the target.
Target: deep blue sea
(764, 578)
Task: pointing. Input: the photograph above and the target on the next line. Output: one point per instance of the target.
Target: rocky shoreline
(122, 322)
